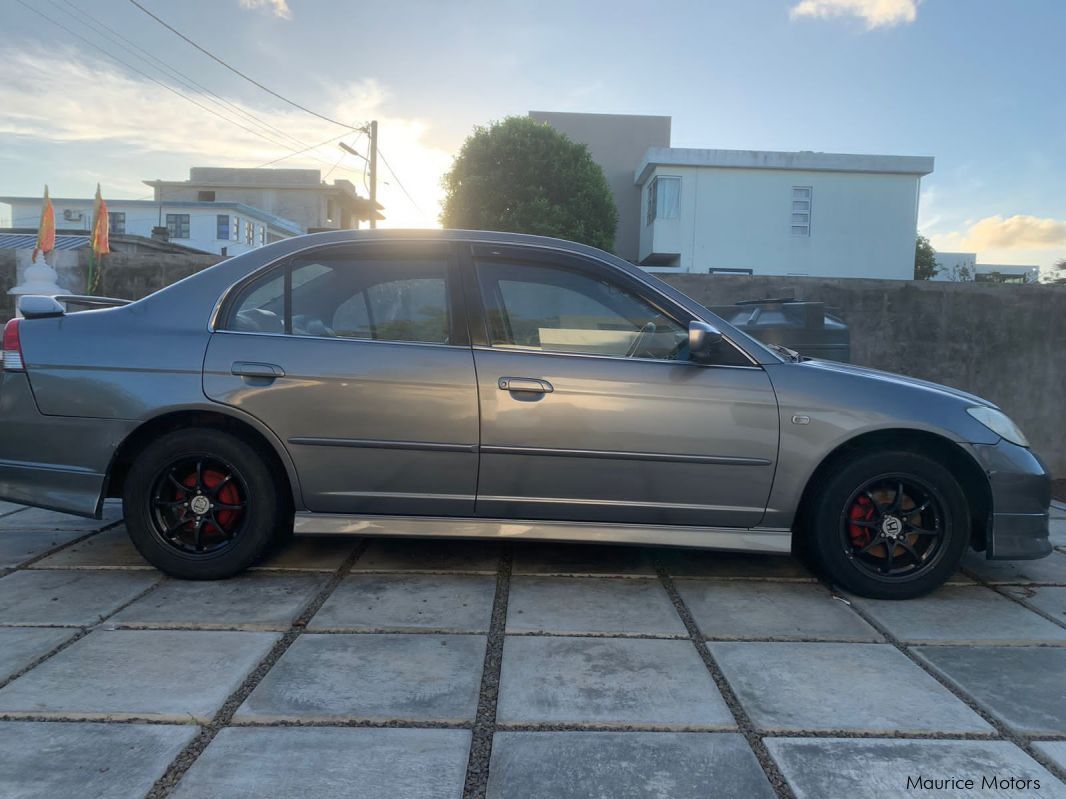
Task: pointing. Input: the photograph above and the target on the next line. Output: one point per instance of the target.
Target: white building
(227, 228)
(751, 212)
(775, 213)
(963, 266)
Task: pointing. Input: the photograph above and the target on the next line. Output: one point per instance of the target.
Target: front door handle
(262, 370)
(531, 384)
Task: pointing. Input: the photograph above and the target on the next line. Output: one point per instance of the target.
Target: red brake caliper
(861, 510)
(229, 495)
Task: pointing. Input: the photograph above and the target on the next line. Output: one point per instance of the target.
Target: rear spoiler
(37, 306)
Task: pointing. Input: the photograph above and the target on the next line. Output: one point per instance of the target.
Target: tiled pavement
(465, 669)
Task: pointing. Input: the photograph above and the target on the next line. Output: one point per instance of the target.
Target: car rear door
(591, 410)
(357, 357)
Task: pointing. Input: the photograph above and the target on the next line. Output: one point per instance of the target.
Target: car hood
(899, 380)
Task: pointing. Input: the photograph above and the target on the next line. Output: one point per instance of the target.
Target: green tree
(925, 265)
(524, 176)
(1057, 275)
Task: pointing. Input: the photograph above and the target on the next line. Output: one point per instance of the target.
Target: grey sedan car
(467, 384)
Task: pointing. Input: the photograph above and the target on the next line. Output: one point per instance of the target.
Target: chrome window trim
(298, 337)
(213, 319)
(615, 358)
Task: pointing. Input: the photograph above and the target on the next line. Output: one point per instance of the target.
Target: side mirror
(703, 339)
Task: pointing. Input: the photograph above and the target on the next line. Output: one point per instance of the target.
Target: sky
(978, 84)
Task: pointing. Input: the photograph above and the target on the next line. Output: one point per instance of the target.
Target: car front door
(591, 409)
(357, 357)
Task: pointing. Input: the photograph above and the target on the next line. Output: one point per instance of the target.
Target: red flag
(46, 230)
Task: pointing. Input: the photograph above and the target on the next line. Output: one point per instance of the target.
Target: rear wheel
(202, 504)
(890, 525)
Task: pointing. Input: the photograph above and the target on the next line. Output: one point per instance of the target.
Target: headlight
(1000, 424)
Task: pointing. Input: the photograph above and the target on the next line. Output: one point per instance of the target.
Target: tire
(852, 538)
(240, 502)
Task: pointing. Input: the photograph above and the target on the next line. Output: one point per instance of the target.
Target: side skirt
(756, 539)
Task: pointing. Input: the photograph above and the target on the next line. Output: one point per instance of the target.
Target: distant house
(963, 266)
(751, 211)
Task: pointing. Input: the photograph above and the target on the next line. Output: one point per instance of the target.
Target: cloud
(875, 13)
(64, 106)
(280, 7)
(1018, 232)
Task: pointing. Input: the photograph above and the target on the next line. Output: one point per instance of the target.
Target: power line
(299, 152)
(399, 182)
(236, 71)
(144, 74)
(344, 152)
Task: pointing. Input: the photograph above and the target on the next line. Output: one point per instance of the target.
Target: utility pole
(372, 162)
(373, 173)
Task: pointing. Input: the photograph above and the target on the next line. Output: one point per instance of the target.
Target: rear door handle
(531, 384)
(262, 370)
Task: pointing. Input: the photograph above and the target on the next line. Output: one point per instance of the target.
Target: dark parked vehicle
(466, 384)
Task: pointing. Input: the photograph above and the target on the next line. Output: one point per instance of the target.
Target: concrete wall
(616, 142)
(1004, 343)
(861, 224)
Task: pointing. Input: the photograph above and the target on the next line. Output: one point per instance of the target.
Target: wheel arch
(249, 430)
(969, 473)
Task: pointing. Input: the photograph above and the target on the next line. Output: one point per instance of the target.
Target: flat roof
(804, 160)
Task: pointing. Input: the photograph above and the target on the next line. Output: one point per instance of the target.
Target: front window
(222, 224)
(116, 222)
(664, 198)
(178, 226)
(553, 309)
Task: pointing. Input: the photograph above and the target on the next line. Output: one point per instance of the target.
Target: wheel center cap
(892, 526)
(200, 505)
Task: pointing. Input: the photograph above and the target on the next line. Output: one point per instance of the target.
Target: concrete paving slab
(624, 765)
(20, 546)
(873, 768)
(1055, 751)
(738, 609)
(20, 646)
(1021, 686)
(870, 688)
(1049, 599)
(420, 555)
(252, 601)
(40, 519)
(1050, 570)
(1057, 530)
(111, 549)
(7, 508)
(310, 553)
(591, 606)
(441, 602)
(52, 760)
(961, 615)
(72, 598)
(581, 560)
(371, 677)
(731, 565)
(329, 763)
(608, 682)
(170, 675)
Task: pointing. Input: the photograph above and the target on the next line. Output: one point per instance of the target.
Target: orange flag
(46, 230)
(101, 227)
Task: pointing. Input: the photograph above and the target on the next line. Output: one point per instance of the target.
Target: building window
(262, 235)
(205, 196)
(178, 226)
(222, 225)
(116, 223)
(801, 210)
(249, 233)
(664, 198)
(235, 229)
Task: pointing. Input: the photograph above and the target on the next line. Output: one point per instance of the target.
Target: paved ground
(416, 669)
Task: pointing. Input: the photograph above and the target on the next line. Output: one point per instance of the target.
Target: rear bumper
(1021, 497)
(55, 462)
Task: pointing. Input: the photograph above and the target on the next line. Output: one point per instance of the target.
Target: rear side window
(344, 295)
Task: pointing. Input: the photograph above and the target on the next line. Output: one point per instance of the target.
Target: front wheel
(202, 504)
(891, 525)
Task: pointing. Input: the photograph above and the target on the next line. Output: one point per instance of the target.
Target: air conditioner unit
(73, 216)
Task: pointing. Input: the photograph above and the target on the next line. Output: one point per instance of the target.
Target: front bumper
(1021, 497)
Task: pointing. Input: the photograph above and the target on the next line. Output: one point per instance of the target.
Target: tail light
(12, 348)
